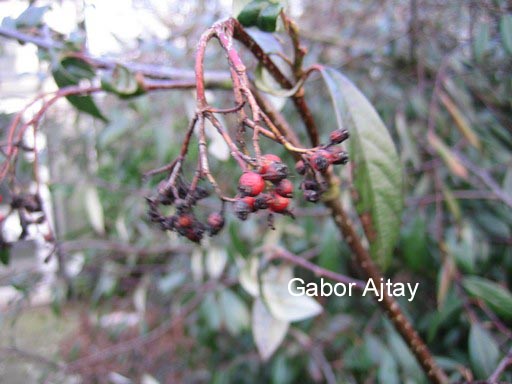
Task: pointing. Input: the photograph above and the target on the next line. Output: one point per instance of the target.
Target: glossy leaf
(260, 13)
(483, 351)
(375, 164)
(498, 298)
(268, 332)
(69, 72)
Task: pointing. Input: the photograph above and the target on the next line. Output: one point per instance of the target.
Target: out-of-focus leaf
(463, 247)
(483, 351)
(210, 311)
(388, 370)
(506, 32)
(452, 204)
(498, 298)
(69, 72)
(449, 158)
(248, 275)
(446, 276)
(507, 181)
(414, 243)
(409, 147)
(122, 82)
(4, 255)
(281, 303)
(266, 83)
(31, 17)
(403, 355)
(216, 259)
(148, 379)
(460, 121)
(375, 163)
(234, 312)
(94, 209)
(196, 264)
(268, 332)
(481, 41)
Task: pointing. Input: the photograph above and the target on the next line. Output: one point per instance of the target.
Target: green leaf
(414, 244)
(267, 19)
(376, 166)
(483, 351)
(31, 17)
(249, 14)
(69, 72)
(498, 298)
(260, 13)
(388, 370)
(506, 32)
(234, 312)
(4, 255)
(481, 41)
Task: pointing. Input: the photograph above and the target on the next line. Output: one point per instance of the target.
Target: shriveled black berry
(310, 184)
(215, 223)
(300, 167)
(276, 172)
(262, 201)
(311, 195)
(242, 209)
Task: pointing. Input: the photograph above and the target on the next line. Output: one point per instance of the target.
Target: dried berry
(251, 184)
(310, 184)
(215, 223)
(338, 136)
(267, 160)
(338, 155)
(311, 195)
(279, 204)
(242, 209)
(284, 188)
(262, 201)
(195, 233)
(321, 160)
(276, 172)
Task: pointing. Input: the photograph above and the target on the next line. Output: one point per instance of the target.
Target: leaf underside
(375, 164)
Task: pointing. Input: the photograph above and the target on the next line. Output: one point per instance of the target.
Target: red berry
(215, 223)
(251, 184)
(338, 136)
(262, 201)
(185, 220)
(276, 172)
(267, 160)
(278, 203)
(321, 160)
(284, 188)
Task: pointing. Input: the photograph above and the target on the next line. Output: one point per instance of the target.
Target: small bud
(338, 155)
(338, 136)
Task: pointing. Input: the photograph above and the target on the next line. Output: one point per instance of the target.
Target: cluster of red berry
(265, 187)
(268, 188)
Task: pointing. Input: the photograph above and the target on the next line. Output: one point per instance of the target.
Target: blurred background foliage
(438, 72)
